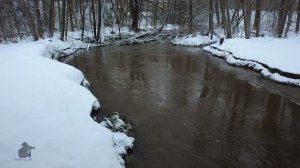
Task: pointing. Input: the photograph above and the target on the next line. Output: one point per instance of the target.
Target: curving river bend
(192, 110)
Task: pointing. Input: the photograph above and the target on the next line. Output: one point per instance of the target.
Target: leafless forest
(41, 18)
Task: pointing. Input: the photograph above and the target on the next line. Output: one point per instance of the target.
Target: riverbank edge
(138, 38)
(96, 108)
(274, 74)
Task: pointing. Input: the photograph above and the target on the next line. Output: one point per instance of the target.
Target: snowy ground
(43, 104)
(277, 59)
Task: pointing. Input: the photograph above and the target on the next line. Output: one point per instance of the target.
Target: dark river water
(192, 110)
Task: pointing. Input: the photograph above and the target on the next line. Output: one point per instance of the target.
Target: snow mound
(44, 105)
(122, 142)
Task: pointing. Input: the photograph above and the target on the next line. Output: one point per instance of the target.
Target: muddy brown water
(192, 110)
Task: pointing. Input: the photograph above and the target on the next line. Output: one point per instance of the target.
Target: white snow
(169, 27)
(194, 40)
(282, 54)
(43, 104)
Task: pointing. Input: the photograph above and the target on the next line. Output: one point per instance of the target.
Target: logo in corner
(25, 151)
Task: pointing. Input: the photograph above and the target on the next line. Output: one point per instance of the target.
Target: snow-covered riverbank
(195, 41)
(44, 105)
(277, 59)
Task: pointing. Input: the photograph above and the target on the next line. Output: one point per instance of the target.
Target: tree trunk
(282, 17)
(99, 20)
(59, 13)
(257, 17)
(135, 13)
(226, 18)
(51, 19)
(290, 15)
(174, 13)
(38, 19)
(102, 23)
(155, 14)
(190, 22)
(223, 22)
(247, 18)
(94, 18)
(211, 16)
(229, 32)
(217, 12)
(298, 18)
(63, 20)
(67, 20)
(45, 6)
(70, 4)
(82, 18)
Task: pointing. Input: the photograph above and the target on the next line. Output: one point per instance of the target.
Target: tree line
(43, 18)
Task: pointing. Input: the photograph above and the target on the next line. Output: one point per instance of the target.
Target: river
(192, 110)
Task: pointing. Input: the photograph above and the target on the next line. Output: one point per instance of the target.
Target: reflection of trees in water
(250, 125)
(136, 69)
(100, 66)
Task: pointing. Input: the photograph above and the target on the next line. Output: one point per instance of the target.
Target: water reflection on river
(192, 110)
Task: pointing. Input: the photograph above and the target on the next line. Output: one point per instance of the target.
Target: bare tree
(28, 17)
(51, 23)
(247, 17)
(290, 15)
(217, 10)
(190, 17)
(99, 20)
(155, 13)
(45, 8)
(284, 8)
(257, 17)
(102, 23)
(82, 7)
(94, 18)
(135, 8)
(298, 18)
(119, 10)
(167, 15)
(211, 18)
(70, 7)
(226, 18)
(38, 18)
(63, 20)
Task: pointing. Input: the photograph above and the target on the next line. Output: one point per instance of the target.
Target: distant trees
(46, 18)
